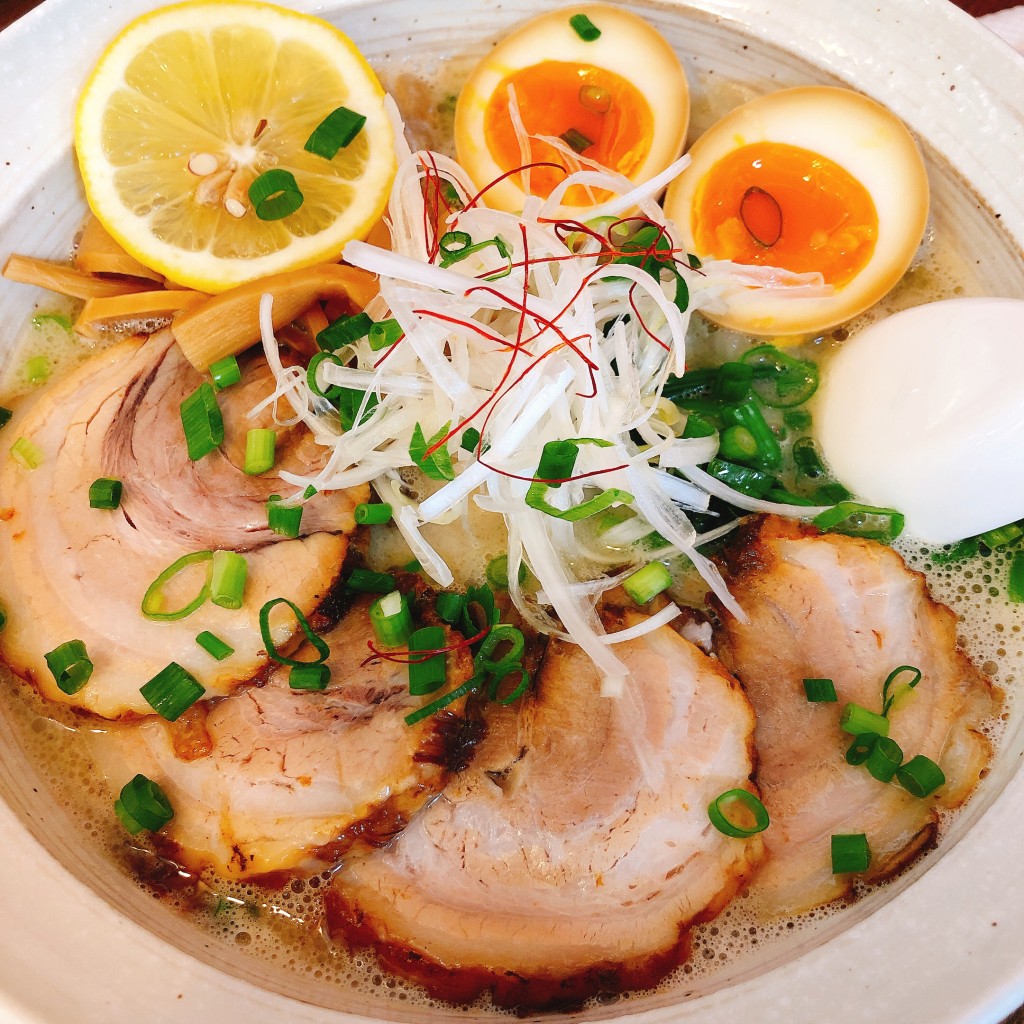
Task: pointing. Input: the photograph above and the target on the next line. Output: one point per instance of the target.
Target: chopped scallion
(143, 805)
(391, 619)
(850, 854)
(584, 28)
(438, 464)
(1002, 535)
(888, 699)
(576, 140)
(503, 671)
(367, 582)
(744, 479)
(105, 493)
(443, 701)
(1015, 583)
(285, 520)
(856, 520)
(497, 637)
(497, 572)
(214, 646)
(227, 579)
(780, 380)
(860, 749)
(70, 665)
(260, 450)
(275, 194)
(920, 776)
(5, 416)
(372, 515)
(27, 453)
(335, 132)
(427, 667)
(856, 720)
(470, 440)
(807, 460)
(202, 422)
(449, 607)
(884, 758)
(225, 372)
(172, 691)
(318, 643)
(315, 676)
(820, 691)
(37, 370)
(344, 331)
(153, 600)
(385, 334)
(648, 582)
(746, 802)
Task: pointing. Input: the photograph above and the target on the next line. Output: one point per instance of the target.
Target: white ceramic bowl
(79, 942)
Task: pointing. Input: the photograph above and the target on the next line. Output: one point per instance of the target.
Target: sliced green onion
(275, 194)
(576, 140)
(438, 464)
(5, 416)
(335, 132)
(443, 701)
(152, 602)
(780, 494)
(37, 370)
(313, 383)
(860, 749)
(202, 422)
(1015, 582)
(820, 691)
(780, 380)
(285, 520)
(920, 776)
(557, 461)
(458, 245)
(143, 805)
(413, 566)
(966, 548)
(744, 479)
(349, 401)
(737, 443)
(428, 673)
(717, 812)
(225, 372)
(449, 607)
(470, 439)
(887, 698)
(316, 676)
(698, 426)
(613, 496)
(807, 460)
(499, 635)
(344, 331)
(372, 515)
(317, 642)
(260, 450)
(309, 492)
(105, 493)
(797, 419)
(3, 616)
(884, 758)
(391, 619)
(850, 854)
(497, 572)
(768, 454)
(384, 334)
(58, 319)
(70, 665)
(367, 582)
(856, 719)
(214, 646)
(594, 98)
(729, 383)
(831, 494)
(1001, 535)
(27, 453)
(856, 520)
(503, 671)
(584, 28)
(227, 579)
(172, 691)
(647, 582)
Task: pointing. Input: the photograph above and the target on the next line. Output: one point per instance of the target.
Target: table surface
(11, 10)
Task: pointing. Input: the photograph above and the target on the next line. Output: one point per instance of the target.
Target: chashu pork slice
(849, 610)
(275, 779)
(573, 854)
(71, 572)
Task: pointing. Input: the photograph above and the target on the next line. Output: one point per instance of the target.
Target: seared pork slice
(846, 609)
(71, 572)
(274, 779)
(573, 854)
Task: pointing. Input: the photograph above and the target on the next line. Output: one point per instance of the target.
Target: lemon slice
(191, 103)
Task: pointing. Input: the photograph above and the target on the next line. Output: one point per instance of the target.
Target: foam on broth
(282, 929)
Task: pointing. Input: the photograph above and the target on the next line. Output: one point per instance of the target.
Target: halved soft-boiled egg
(922, 412)
(814, 179)
(600, 81)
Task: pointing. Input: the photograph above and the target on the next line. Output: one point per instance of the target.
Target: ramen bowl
(83, 941)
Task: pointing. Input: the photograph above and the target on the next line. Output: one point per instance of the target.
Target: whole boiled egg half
(923, 412)
(597, 79)
(813, 180)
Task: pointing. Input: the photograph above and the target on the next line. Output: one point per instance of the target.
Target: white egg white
(922, 412)
(856, 133)
(628, 46)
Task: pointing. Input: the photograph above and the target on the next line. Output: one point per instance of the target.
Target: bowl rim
(959, 963)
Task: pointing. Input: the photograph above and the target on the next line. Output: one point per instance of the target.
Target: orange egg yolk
(597, 112)
(779, 205)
